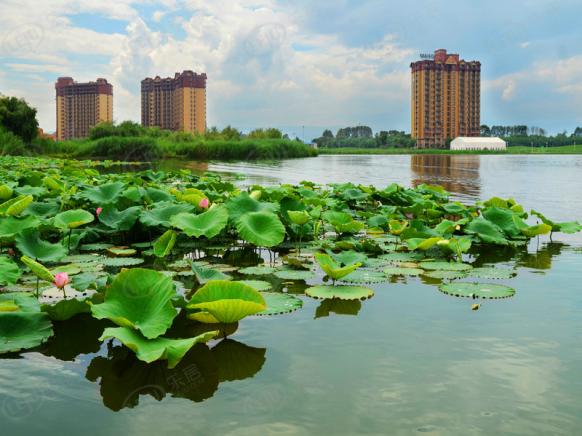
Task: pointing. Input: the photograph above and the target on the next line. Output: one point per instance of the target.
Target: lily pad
(293, 274)
(477, 290)
(150, 350)
(204, 274)
(279, 303)
(446, 275)
(122, 261)
(445, 266)
(340, 292)
(9, 271)
(259, 285)
(258, 270)
(364, 276)
(401, 257)
(30, 244)
(492, 273)
(23, 330)
(401, 271)
(141, 300)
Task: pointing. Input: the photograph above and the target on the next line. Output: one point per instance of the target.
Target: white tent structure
(478, 143)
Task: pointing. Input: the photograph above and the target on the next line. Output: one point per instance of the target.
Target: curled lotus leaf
(227, 301)
(205, 274)
(150, 350)
(332, 269)
(477, 290)
(16, 205)
(140, 299)
(38, 269)
(30, 244)
(339, 292)
(165, 243)
(279, 303)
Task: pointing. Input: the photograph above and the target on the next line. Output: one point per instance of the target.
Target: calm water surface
(411, 360)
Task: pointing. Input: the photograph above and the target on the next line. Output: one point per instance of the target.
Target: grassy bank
(150, 148)
(567, 149)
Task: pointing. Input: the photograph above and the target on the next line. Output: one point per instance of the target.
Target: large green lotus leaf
(119, 220)
(259, 285)
(538, 229)
(293, 274)
(140, 299)
(244, 203)
(23, 330)
(397, 227)
(150, 350)
(299, 217)
(104, 194)
(486, 231)
(121, 261)
(279, 303)
(66, 309)
(95, 247)
(9, 271)
(165, 243)
(122, 251)
(570, 227)
(30, 244)
(163, 212)
(72, 219)
(491, 273)
(364, 276)
(505, 219)
(401, 257)
(86, 280)
(15, 205)
(208, 224)
(20, 302)
(5, 192)
(263, 229)
(10, 226)
(332, 269)
(42, 209)
(445, 266)
(258, 270)
(422, 243)
(340, 292)
(477, 290)
(227, 301)
(349, 257)
(401, 271)
(343, 222)
(204, 274)
(38, 269)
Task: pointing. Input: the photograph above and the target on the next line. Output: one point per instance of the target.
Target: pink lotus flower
(61, 280)
(204, 203)
(98, 211)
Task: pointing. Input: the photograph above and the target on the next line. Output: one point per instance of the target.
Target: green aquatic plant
(208, 224)
(332, 268)
(263, 229)
(339, 292)
(477, 290)
(165, 243)
(225, 302)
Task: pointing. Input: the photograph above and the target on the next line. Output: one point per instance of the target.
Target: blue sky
(288, 64)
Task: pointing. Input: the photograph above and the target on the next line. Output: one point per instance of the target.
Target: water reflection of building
(458, 174)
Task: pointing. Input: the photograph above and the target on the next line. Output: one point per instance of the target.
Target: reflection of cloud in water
(458, 174)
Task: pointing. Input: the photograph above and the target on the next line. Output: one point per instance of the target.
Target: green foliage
(208, 224)
(18, 117)
(332, 268)
(340, 292)
(263, 229)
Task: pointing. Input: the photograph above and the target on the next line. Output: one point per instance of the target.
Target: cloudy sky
(293, 63)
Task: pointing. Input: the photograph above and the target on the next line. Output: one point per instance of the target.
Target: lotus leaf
(9, 271)
(332, 269)
(122, 220)
(244, 203)
(445, 266)
(263, 229)
(401, 271)
(141, 300)
(208, 224)
(477, 290)
(16, 205)
(259, 285)
(30, 244)
(37, 269)
(446, 275)
(150, 350)
(487, 231)
(258, 270)
(72, 219)
(491, 273)
(104, 194)
(299, 217)
(122, 261)
(23, 330)
(292, 274)
(339, 292)
(279, 303)
(364, 276)
(165, 243)
(227, 301)
(10, 226)
(122, 251)
(204, 274)
(66, 309)
(162, 213)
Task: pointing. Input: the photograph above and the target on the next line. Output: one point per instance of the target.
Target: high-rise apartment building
(445, 99)
(177, 103)
(80, 106)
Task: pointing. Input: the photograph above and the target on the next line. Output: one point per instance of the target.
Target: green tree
(18, 117)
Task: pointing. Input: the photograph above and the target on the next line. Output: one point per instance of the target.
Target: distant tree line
(532, 136)
(364, 137)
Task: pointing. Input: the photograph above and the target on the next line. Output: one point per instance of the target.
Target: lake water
(410, 360)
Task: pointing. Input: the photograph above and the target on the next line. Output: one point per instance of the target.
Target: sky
(288, 64)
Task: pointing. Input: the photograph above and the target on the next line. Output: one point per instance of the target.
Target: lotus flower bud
(61, 280)
(98, 211)
(204, 203)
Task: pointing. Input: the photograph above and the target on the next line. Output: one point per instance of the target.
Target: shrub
(11, 144)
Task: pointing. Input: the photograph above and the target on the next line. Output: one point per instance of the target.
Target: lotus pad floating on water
(340, 292)
(364, 276)
(122, 261)
(445, 266)
(292, 274)
(401, 257)
(477, 290)
(259, 285)
(258, 270)
(491, 273)
(400, 271)
(279, 303)
(446, 275)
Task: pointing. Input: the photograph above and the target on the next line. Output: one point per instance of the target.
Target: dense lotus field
(167, 260)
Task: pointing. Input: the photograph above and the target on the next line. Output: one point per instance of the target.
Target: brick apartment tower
(445, 99)
(80, 106)
(177, 103)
